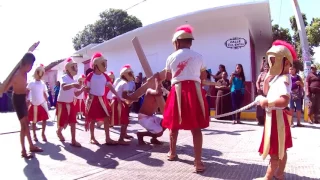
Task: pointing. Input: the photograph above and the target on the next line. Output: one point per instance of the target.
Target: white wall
(210, 38)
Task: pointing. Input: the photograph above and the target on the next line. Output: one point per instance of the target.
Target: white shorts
(151, 123)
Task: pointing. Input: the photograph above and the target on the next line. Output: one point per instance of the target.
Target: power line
(135, 5)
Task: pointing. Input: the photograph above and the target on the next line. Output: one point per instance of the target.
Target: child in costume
(97, 106)
(79, 100)
(277, 138)
(38, 108)
(65, 110)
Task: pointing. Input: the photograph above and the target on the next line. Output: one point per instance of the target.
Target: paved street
(229, 152)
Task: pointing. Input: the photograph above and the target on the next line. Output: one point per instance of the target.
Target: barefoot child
(147, 118)
(19, 84)
(38, 108)
(65, 110)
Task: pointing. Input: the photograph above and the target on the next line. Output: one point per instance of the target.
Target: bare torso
(19, 83)
(149, 105)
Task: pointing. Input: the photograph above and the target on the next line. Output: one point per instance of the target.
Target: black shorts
(20, 105)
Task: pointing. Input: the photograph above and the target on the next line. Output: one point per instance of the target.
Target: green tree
(280, 33)
(312, 30)
(112, 23)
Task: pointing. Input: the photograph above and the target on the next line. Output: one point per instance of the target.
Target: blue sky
(280, 14)
(54, 23)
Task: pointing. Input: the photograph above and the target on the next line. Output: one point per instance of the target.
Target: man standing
(313, 93)
(186, 107)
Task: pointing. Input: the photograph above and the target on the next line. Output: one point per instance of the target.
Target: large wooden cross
(146, 68)
(4, 85)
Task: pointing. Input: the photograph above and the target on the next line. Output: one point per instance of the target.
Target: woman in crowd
(208, 90)
(260, 112)
(296, 93)
(218, 75)
(223, 99)
(237, 81)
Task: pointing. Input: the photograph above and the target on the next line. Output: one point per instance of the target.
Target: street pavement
(229, 152)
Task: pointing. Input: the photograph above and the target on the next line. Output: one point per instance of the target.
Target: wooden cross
(146, 68)
(4, 85)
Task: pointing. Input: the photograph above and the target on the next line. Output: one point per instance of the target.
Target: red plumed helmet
(69, 59)
(125, 69)
(97, 59)
(288, 46)
(183, 32)
(96, 55)
(186, 28)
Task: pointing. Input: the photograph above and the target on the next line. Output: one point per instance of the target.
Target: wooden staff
(3, 86)
(146, 68)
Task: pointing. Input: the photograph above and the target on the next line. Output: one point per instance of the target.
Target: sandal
(75, 144)
(279, 177)
(199, 166)
(172, 157)
(124, 143)
(35, 138)
(93, 141)
(36, 149)
(111, 143)
(300, 125)
(26, 155)
(128, 137)
(155, 141)
(44, 138)
(60, 136)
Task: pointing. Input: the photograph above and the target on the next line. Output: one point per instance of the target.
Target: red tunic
(97, 108)
(191, 112)
(37, 113)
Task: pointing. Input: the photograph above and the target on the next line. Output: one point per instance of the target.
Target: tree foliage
(112, 23)
(312, 30)
(280, 33)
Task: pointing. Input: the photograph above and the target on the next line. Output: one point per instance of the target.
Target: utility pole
(303, 37)
(305, 49)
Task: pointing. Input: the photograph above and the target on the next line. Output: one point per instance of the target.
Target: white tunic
(81, 96)
(279, 86)
(97, 84)
(37, 90)
(185, 64)
(120, 87)
(68, 95)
